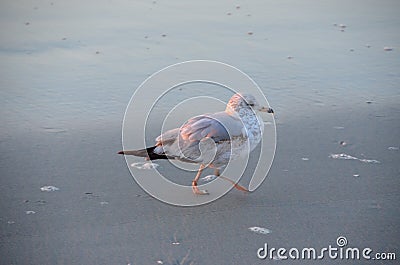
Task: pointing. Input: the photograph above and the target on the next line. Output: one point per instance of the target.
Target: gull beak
(265, 109)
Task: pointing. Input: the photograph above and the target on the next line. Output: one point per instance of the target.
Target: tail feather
(148, 153)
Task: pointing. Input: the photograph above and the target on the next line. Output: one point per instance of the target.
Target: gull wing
(219, 126)
(184, 143)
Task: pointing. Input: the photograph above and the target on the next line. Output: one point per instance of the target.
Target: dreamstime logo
(166, 100)
(341, 241)
(340, 251)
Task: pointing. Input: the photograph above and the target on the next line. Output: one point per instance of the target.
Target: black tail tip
(121, 153)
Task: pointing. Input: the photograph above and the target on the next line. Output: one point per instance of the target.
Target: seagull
(212, 140)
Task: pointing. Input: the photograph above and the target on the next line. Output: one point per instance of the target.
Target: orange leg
(237, 186)
(194, 182)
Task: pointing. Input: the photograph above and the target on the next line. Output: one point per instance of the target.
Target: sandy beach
(69, 70)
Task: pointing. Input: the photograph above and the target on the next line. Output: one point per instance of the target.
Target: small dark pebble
(368, 102)
(164, 35)
(97, 52)
(249, 33)
(89, 193)
(237, 7)
(27, 23)
(342, 143)
(229, 13)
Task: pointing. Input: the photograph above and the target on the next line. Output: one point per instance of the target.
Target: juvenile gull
(211, 140)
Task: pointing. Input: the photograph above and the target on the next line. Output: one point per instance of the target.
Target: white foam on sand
(144, 165)
(259, 230)
(49, 188)
(208, 178)
(349, 157)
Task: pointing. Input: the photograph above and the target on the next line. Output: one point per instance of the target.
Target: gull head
(244, 101)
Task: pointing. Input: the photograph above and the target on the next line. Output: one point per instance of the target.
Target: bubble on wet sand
(259, 230)
(373, 161)
(49, 188)
(208, 178)
(144, 165)
(349, 157)
(343, 156)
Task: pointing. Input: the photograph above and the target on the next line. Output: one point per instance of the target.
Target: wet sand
(100, 215)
